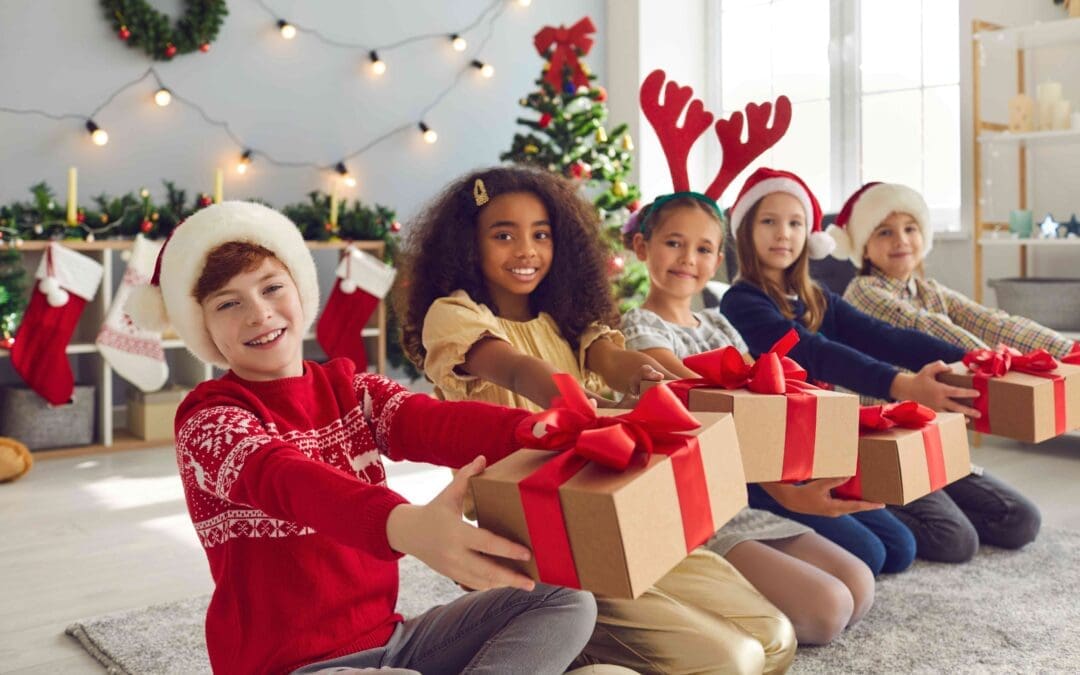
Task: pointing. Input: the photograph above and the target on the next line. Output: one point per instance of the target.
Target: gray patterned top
(644, 329)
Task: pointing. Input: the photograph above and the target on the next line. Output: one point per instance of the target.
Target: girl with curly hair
(505, 283)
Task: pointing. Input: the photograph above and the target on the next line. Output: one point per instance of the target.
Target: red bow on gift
(907, 414)
(772, 373)
(572, 427)
(989, 363)
(1073, 357)
(568, 43)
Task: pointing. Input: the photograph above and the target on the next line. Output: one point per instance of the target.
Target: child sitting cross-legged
(280, 460)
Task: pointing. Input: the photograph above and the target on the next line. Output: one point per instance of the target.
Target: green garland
(140, 25)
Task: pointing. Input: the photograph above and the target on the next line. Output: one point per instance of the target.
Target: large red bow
(569, 43)
(907, 414)
(572, 427)
(990, 363)
(1073, 357)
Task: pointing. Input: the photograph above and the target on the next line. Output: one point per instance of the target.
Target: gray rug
(1004, 612)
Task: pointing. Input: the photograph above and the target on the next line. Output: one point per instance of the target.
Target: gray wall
(299, 99)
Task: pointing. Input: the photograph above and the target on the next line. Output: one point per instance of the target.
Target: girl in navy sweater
(777, 224)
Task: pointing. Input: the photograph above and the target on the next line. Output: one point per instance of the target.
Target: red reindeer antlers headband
(677, 140)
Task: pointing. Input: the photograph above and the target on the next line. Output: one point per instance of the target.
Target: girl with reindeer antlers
(820, 586)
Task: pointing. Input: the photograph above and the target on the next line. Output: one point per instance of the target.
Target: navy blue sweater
(851, 349)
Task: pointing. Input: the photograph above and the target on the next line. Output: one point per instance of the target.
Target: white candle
(219, 185)
(1061, 112)
(73, 199)
(1048, 91)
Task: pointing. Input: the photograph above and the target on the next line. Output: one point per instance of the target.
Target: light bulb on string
(378, 66)
(428, 133)
(98, 135)
(486, 69)
(244, 163)
(343, 172)
(524, 3)
(288, 31)
(458, 43)
(163, 97)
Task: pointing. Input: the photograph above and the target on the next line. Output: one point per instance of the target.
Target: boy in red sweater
(281, 468)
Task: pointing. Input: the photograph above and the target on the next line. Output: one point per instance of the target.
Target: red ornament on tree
(146, 226)
(545, 120)
(204, 201)
(123, 33)
(580, 170)
(601, 94)
(395, 226)
(170, 50)
(80, 216)
(616, 265)
(634, 206)
(204, 47)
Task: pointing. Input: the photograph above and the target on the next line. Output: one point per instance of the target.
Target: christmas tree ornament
(135, 354)
(123, 33)
(204, 47)
(1048, 227)
(362, 282)
(545, 120)
(627, 143)
(170, 50)
(601, 135)
(66, 282)
(146, 226)
(619, 188)
(600, 94)
(562, 47)
(531, 149)
(395, 227)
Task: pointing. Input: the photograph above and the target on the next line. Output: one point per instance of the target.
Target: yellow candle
(333, 203)
(219, 185)
(73, 199)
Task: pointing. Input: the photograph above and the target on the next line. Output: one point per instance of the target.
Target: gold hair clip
(479, 192)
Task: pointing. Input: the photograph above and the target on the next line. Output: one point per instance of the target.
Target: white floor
(86, 536)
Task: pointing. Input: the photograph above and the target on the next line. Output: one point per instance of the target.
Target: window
(874, 86)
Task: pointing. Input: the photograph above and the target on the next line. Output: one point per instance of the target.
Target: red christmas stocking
(66, 282)
(362, 281)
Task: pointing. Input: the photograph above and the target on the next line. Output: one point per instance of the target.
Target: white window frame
(845, 103)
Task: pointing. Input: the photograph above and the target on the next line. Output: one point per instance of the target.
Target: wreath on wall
(140, 25)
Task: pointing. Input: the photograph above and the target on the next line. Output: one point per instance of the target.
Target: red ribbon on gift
(572, 427)
(989, 363)
(1073, 357)
(910, 415)
(772, 373)
(568, 44)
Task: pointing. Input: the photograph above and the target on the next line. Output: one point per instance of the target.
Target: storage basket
(1055, 303)
(30, 419)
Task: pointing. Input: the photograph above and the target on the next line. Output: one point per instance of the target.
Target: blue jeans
(878, 538)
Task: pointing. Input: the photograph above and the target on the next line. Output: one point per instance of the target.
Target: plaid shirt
(927, 306)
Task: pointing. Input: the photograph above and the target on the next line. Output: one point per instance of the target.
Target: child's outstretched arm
(623, 369)
(668, 361)
(497, 361)
(435, 534)
(995, 326)
(884, 306)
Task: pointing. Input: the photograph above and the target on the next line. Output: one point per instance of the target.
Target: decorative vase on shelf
(1021, 113)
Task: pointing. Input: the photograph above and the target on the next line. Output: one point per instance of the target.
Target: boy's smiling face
(255, 321)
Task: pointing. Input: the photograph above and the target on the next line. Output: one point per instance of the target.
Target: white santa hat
(169, 299)
(764, 182)
(869, 207)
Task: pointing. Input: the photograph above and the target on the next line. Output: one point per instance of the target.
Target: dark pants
(950, 524)
(499, 631)
(878, 538)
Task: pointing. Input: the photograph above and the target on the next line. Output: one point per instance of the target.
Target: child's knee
(950, 541)
(899, 554)
(833, 606)
(574, 611)
(1024, 524)
(860, 583)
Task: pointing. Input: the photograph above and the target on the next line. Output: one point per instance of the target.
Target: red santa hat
(764, 182)
(867, 208)
(169, 300)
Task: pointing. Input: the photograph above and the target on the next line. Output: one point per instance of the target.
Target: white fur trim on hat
(184, 257)
(764, 188)
(820, 245)
(841, 242)
(874, 205)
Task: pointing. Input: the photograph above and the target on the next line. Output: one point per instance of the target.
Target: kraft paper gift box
(609, 531)
(1027, 397)
(788, 430)
(151, 415)
(907, 451)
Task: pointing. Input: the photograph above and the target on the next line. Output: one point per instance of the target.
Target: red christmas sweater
(285, 485)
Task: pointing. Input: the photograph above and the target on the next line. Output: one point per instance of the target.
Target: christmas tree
(12, 292)
(568, 135)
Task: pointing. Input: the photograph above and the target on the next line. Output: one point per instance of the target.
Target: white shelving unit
(184, 369)
(988, 133)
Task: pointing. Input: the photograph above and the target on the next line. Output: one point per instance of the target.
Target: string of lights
(165, 95)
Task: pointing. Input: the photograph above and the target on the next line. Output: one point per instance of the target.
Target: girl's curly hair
(442, 256)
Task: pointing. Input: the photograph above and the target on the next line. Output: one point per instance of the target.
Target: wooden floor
(83, 536)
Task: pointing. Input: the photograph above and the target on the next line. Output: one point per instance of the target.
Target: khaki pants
(702, 617)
